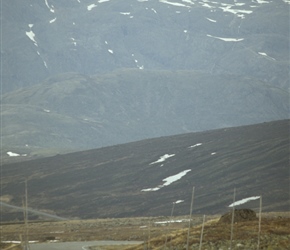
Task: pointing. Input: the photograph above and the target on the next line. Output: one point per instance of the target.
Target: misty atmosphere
(112, 111)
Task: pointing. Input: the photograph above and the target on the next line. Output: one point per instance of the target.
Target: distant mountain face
(85, 74)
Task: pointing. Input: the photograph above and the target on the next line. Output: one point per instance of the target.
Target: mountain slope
(45, 38)
(144, 178)
(84, 74)
(74, 112)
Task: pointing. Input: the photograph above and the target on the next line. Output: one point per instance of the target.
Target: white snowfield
(162, 158)
(169, 180)
(195, 145)
(227, 39)
(245, 200)
(11, 154)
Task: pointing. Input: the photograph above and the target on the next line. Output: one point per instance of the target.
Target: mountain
(86, 74)
(143, 178)
(46, 38)
(74, 112)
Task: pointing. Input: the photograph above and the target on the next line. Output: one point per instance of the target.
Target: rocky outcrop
(239, 216)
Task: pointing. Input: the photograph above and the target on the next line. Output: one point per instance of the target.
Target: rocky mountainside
(74, 112)
(49, 37)
(86, 74)
(144, 178)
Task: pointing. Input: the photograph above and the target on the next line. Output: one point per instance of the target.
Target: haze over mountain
(85, 74)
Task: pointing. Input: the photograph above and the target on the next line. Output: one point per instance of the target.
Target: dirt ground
(157, 231)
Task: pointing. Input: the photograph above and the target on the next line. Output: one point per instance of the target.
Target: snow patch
(227, 39)
(15, 154)
(173, 3)
(264, 54)
(52, 20)
(50, 8)
(178, 201)
(91, 6)
(12, 154)
(238, 12)
(188, 1)
(31, 35)
(211, 20)
(18, 242)
(240, 202)
(111, 51)
(102, 1)
(262, 1)
(207, 5)
(195, 145)
(170, 221)
(74, 41)
(167, 181)
(125, 13)
(162, 158)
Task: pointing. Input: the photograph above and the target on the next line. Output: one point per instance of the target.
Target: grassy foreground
(157, 233)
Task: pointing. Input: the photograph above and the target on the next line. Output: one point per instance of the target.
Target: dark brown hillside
(107, 182)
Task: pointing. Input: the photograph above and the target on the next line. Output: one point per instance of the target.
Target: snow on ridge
(262, 1)
(162, 158)
(188, 1)
(227, 39)
(167, 181)
(240, 202)
(173, 3)
(50, 8)
(102, 1)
